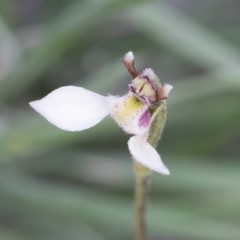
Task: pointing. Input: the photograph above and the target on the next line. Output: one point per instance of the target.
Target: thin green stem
(141, 189)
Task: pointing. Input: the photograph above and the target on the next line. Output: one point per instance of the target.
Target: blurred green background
(61, 185)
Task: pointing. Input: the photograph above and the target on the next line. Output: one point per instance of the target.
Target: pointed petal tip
(31, 103)
(160, 168)
(128, 57)
(35, 105)
(168, 88)
(165, 90)
(164, 170)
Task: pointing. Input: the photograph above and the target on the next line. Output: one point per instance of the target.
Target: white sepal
(145, 154)
(72, 108)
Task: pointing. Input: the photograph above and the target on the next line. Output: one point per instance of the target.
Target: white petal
(145, 154)
(72, 108)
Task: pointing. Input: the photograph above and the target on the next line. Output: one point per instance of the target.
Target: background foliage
(60, 185)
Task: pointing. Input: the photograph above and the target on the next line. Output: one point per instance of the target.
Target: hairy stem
(142, 174)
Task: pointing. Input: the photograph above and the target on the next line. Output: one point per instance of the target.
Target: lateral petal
(145, 154)
(72, 108)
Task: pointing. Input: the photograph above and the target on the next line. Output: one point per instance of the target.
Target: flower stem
(141, 189)
(142, 174)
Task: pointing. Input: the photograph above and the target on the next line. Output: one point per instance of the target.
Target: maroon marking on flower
(145, 119)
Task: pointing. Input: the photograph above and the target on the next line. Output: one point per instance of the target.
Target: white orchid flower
(75, 109)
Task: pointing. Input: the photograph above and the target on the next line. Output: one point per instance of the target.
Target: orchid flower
(75, 109)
